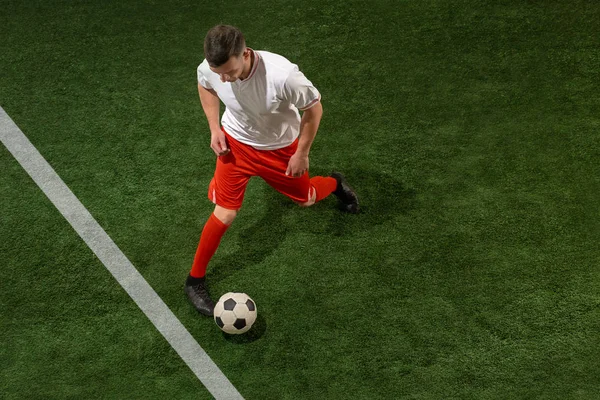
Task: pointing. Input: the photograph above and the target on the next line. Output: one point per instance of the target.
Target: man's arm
(211, 106)
(309, 124)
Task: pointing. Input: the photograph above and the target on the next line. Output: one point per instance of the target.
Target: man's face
(232, 69)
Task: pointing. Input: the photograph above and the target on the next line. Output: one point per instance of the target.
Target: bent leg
(321, 187)
(324, 186)
(303, 190)
(311, 200)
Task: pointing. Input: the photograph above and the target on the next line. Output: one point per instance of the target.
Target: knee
(307, 204)
(225, 215)
(311, 200)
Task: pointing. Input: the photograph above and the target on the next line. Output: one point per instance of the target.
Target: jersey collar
(254, 66)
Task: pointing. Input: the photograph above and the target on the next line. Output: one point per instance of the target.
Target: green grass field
(470, 130)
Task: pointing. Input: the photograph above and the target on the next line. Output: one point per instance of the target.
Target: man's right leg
(213, 231)
(195, 285)
(226, 190)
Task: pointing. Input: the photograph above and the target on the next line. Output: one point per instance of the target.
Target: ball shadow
(256, 332)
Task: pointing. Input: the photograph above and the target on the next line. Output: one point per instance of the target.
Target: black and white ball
(235, 313)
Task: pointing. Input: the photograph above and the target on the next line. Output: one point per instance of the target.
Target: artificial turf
(468, 128)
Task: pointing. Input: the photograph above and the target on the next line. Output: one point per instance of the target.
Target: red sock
(211, 236)
(323, 185)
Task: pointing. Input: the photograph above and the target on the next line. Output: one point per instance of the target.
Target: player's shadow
(255, 242)
(382, 195)
(383, 198)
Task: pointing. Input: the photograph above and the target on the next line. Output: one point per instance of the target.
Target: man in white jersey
(261, 134)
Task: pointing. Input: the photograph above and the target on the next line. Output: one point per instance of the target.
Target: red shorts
(234, 170)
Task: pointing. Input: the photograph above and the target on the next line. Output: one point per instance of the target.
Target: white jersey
(262, 110)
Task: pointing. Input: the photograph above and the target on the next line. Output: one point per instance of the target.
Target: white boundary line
(115, 261)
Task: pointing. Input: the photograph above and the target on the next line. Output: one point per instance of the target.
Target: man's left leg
(320, 188)
(323, 186)
(303, 190)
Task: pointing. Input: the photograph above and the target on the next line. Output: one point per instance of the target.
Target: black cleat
(345, 194)
(195, 288)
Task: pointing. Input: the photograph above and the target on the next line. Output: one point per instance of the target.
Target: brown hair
(222, 42)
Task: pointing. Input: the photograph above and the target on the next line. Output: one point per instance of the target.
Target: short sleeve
(299, 91)
(202, 79)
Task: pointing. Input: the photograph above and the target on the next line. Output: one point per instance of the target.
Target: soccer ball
(235, 313)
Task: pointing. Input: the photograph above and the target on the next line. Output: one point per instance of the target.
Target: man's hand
(298, 165)
(218, 143)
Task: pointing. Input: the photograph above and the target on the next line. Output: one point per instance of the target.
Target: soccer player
(260, 134)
